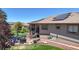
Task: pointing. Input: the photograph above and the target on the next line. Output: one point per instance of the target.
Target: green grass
(44, 47)
(36, 47)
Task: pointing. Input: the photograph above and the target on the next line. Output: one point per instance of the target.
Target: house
(26, 25)
(66, 25)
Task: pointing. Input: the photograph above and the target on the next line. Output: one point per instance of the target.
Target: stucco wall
(52, 29)
(44, 31)
(62, 31)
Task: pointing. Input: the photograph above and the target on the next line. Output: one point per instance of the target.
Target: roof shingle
(71, 18)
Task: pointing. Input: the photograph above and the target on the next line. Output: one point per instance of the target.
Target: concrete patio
(67, 45)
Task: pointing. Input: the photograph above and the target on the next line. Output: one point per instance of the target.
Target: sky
(31, 14)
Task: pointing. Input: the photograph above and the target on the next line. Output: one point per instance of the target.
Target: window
(44, 27)
(73, 28)
(57, 27)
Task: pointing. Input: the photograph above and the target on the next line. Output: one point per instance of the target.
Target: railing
(55, 36)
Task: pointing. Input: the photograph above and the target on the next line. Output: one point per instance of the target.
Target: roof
(67, 18)
(25, 24)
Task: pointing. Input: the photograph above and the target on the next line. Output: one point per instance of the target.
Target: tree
(17, 28)
(3, 16)
(4, 29)
(4, 26)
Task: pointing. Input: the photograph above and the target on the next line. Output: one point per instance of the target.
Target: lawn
(35, 47)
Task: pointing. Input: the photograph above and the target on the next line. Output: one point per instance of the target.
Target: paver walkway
(67, 45)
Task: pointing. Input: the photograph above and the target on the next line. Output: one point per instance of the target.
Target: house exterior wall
(43, 31)
(52, 29)
(62, 31)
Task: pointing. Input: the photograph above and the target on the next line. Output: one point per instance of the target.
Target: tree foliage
(17, 25)
(4, 30)
(18, 29)
(4, 26)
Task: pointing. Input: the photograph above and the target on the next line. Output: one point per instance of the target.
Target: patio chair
(35, 35)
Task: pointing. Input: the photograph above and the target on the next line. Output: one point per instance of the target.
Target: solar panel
(62, 17)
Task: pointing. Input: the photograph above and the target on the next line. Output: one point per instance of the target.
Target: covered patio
(34, 30)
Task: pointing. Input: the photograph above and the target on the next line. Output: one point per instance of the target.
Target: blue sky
(31, 14)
